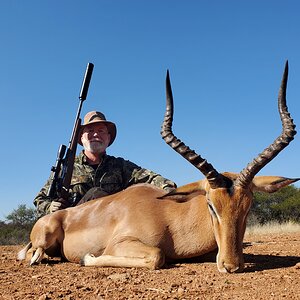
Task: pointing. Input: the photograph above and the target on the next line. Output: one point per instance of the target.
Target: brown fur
(134, 228)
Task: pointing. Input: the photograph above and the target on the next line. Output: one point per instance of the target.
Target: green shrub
(16, 229)
(281, 206)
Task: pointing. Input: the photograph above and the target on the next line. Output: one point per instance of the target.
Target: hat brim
(111, 127)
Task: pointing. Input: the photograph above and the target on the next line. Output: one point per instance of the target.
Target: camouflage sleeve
(136, 174)
(41, 201)
(81, 182)
(147, 176)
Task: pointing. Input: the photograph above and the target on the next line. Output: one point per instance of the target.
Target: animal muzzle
(234, 265)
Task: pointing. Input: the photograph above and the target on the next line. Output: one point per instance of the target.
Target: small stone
(297, 266)
(180, 291)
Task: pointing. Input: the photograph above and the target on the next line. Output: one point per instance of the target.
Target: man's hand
(56, 205)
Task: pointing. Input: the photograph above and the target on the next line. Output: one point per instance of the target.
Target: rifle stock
(61, 175)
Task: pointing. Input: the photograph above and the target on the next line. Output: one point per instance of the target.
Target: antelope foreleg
(46, 235)
(38, 256)
(128, 254)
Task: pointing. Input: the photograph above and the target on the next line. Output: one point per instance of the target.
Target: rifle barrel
(86, 81)
(82, 96)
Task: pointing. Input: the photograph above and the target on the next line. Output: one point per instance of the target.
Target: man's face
(95, 138)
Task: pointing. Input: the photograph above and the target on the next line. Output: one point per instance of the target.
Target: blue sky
(226, 60)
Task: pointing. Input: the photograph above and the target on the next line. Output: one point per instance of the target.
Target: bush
(281, 206)
(16, 229)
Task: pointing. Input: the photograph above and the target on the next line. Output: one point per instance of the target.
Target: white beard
(94, 147)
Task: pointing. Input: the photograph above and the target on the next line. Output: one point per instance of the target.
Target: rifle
(61, 172)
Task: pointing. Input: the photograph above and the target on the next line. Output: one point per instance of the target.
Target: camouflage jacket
(112, 175)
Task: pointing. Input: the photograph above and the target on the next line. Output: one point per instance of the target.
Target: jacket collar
(83, 159)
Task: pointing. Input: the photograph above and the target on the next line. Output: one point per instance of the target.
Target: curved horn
(214, 178)
(287, 135)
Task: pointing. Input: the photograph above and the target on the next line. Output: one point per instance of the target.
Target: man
(95, 173)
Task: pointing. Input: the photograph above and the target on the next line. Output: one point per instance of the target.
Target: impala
(143, 226)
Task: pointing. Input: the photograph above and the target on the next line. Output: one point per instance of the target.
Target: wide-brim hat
(98, 117)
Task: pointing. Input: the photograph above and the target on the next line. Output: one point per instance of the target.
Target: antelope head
(229, 195)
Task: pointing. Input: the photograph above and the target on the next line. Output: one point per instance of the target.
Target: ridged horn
(287, 135)
(214, 178)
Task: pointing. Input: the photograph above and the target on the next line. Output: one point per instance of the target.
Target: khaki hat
(98, 117)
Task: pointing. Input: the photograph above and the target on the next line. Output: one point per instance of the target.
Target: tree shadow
(253, 262)
(53, 260)
(258, 262)
(205, 258)
(261, 262)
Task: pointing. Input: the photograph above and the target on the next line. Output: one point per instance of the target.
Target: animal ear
(185, 192)
(271, 184)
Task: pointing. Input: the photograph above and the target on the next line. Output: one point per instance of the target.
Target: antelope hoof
(37, 257)
(87, 260)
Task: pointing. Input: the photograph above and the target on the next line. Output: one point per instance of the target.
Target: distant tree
(17, 226)
(290, 208)
(22, 216)
(280, 206)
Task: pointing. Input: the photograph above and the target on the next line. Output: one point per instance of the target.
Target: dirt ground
(272, 272)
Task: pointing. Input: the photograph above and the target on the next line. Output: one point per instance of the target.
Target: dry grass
(273, 227)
